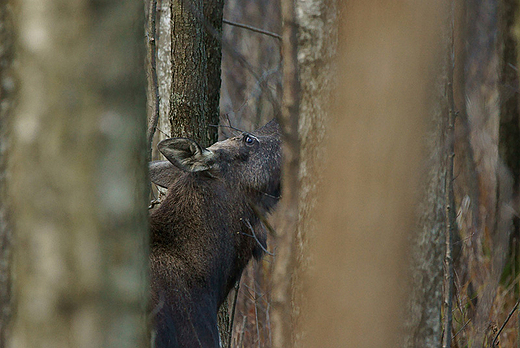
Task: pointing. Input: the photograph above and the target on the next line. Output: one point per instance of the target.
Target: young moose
(207, 228)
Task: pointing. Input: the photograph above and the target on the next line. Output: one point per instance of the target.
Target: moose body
(207, 228)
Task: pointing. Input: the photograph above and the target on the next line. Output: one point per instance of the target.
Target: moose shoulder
(207, 228)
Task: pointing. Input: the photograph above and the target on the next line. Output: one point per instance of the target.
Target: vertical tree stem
(282, 312)
(450, 200)
(6, 106)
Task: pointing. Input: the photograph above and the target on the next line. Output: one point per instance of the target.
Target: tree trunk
(7, 85)
(195, 34)
(282, 313)
(317, 48)
(374, 150)
(79, 176)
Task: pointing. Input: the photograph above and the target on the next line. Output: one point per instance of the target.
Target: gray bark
(423, 315)
(79, 176)
(195, 69)
(189, 45)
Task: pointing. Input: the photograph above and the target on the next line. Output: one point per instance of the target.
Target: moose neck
(200, 224)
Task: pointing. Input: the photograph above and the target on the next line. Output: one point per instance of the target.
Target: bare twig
(224, 126)
(254, 236)
(262, 218)
(504, 324)
(241, 339)
(249, 27)
(462, 328)
(237, 55)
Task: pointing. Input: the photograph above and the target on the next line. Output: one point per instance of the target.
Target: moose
(207, 228)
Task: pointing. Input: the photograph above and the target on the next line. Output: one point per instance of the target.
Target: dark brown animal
(207, 228)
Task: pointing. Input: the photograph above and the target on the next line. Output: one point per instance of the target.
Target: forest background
(398, 224)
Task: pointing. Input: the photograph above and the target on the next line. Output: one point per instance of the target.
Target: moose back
(207, 228)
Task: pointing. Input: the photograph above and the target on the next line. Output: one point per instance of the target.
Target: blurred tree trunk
(485, 182)
(374, 154)
(7, 85)
(422, 321)
(317, 48)
(282, 313)
(509, 131)
(78, 171)
(310, 42)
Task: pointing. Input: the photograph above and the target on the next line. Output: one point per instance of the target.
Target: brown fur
(201, 238)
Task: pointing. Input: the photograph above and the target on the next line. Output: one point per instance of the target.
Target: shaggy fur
(205, 231)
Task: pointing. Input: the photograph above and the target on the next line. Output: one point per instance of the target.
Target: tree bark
(79, 176)
(423, 314)
(374, 151)
(195, 69)
(7, 89)
(317, 49)
(282, 313)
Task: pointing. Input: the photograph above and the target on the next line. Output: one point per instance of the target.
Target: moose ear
(163, 173)
(186, 154)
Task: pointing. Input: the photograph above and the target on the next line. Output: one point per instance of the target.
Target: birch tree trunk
(79, 176)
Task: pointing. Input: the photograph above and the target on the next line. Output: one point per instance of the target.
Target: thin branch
(224, 126)
(241, 339)
(504, 324)
(249, 27)
(237, 55)
(262, 218)
(462, 328)
(254, 236)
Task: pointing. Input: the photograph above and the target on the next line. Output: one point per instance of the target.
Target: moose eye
(249, 140)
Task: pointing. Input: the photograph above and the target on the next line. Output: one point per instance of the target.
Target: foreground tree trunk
(374, 150)
(6, 107)
(78, 174)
